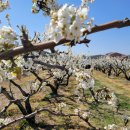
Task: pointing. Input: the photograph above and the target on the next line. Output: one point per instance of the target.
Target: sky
(103, 11)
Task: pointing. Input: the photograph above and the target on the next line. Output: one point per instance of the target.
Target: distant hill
(116, 54)
(111, 54)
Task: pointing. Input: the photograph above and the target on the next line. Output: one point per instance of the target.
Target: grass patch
(124, 102)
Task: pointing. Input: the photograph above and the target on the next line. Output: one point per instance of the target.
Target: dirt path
(121, 86)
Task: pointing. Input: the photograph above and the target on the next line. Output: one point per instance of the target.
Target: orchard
(45, 88)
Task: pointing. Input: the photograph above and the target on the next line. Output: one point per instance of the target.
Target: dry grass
(120, 86)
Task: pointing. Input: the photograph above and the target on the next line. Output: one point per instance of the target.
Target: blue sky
(102, 10)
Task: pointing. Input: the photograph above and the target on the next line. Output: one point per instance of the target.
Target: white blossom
(7, 36)
(77, 111)
(3, 5)
(67, 23)
(110, 127)
(62, 105)
(85, 114)
(4, 121)
(113, 101)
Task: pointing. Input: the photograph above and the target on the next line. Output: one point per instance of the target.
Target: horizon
(110, 52)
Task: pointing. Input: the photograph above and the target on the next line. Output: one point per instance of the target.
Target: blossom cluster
(45, 5)
(62, 105)
(4, 121)
(7, 37)
(111, 127)
(35, 8)
(113, 100)
(12, 69)
(68, 22)
(3, 5)
(84, 79)
(58, 73)
(84, 114)
(115, 127)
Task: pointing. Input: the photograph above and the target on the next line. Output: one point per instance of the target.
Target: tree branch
(45, 110)
(19, 87)
(49, 65)
(41, 46)
(7, 106)
(109, 25)
(10, 98)
(50, 44)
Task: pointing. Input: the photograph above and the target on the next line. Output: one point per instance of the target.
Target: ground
(103, 115)
(119, 85)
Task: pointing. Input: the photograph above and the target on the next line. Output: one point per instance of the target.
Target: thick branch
(10, 98)
(49, 65)
(47, 110)
(19, 87)
(110, 25)
(41, 46)
(8, 105)
(48, 45)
